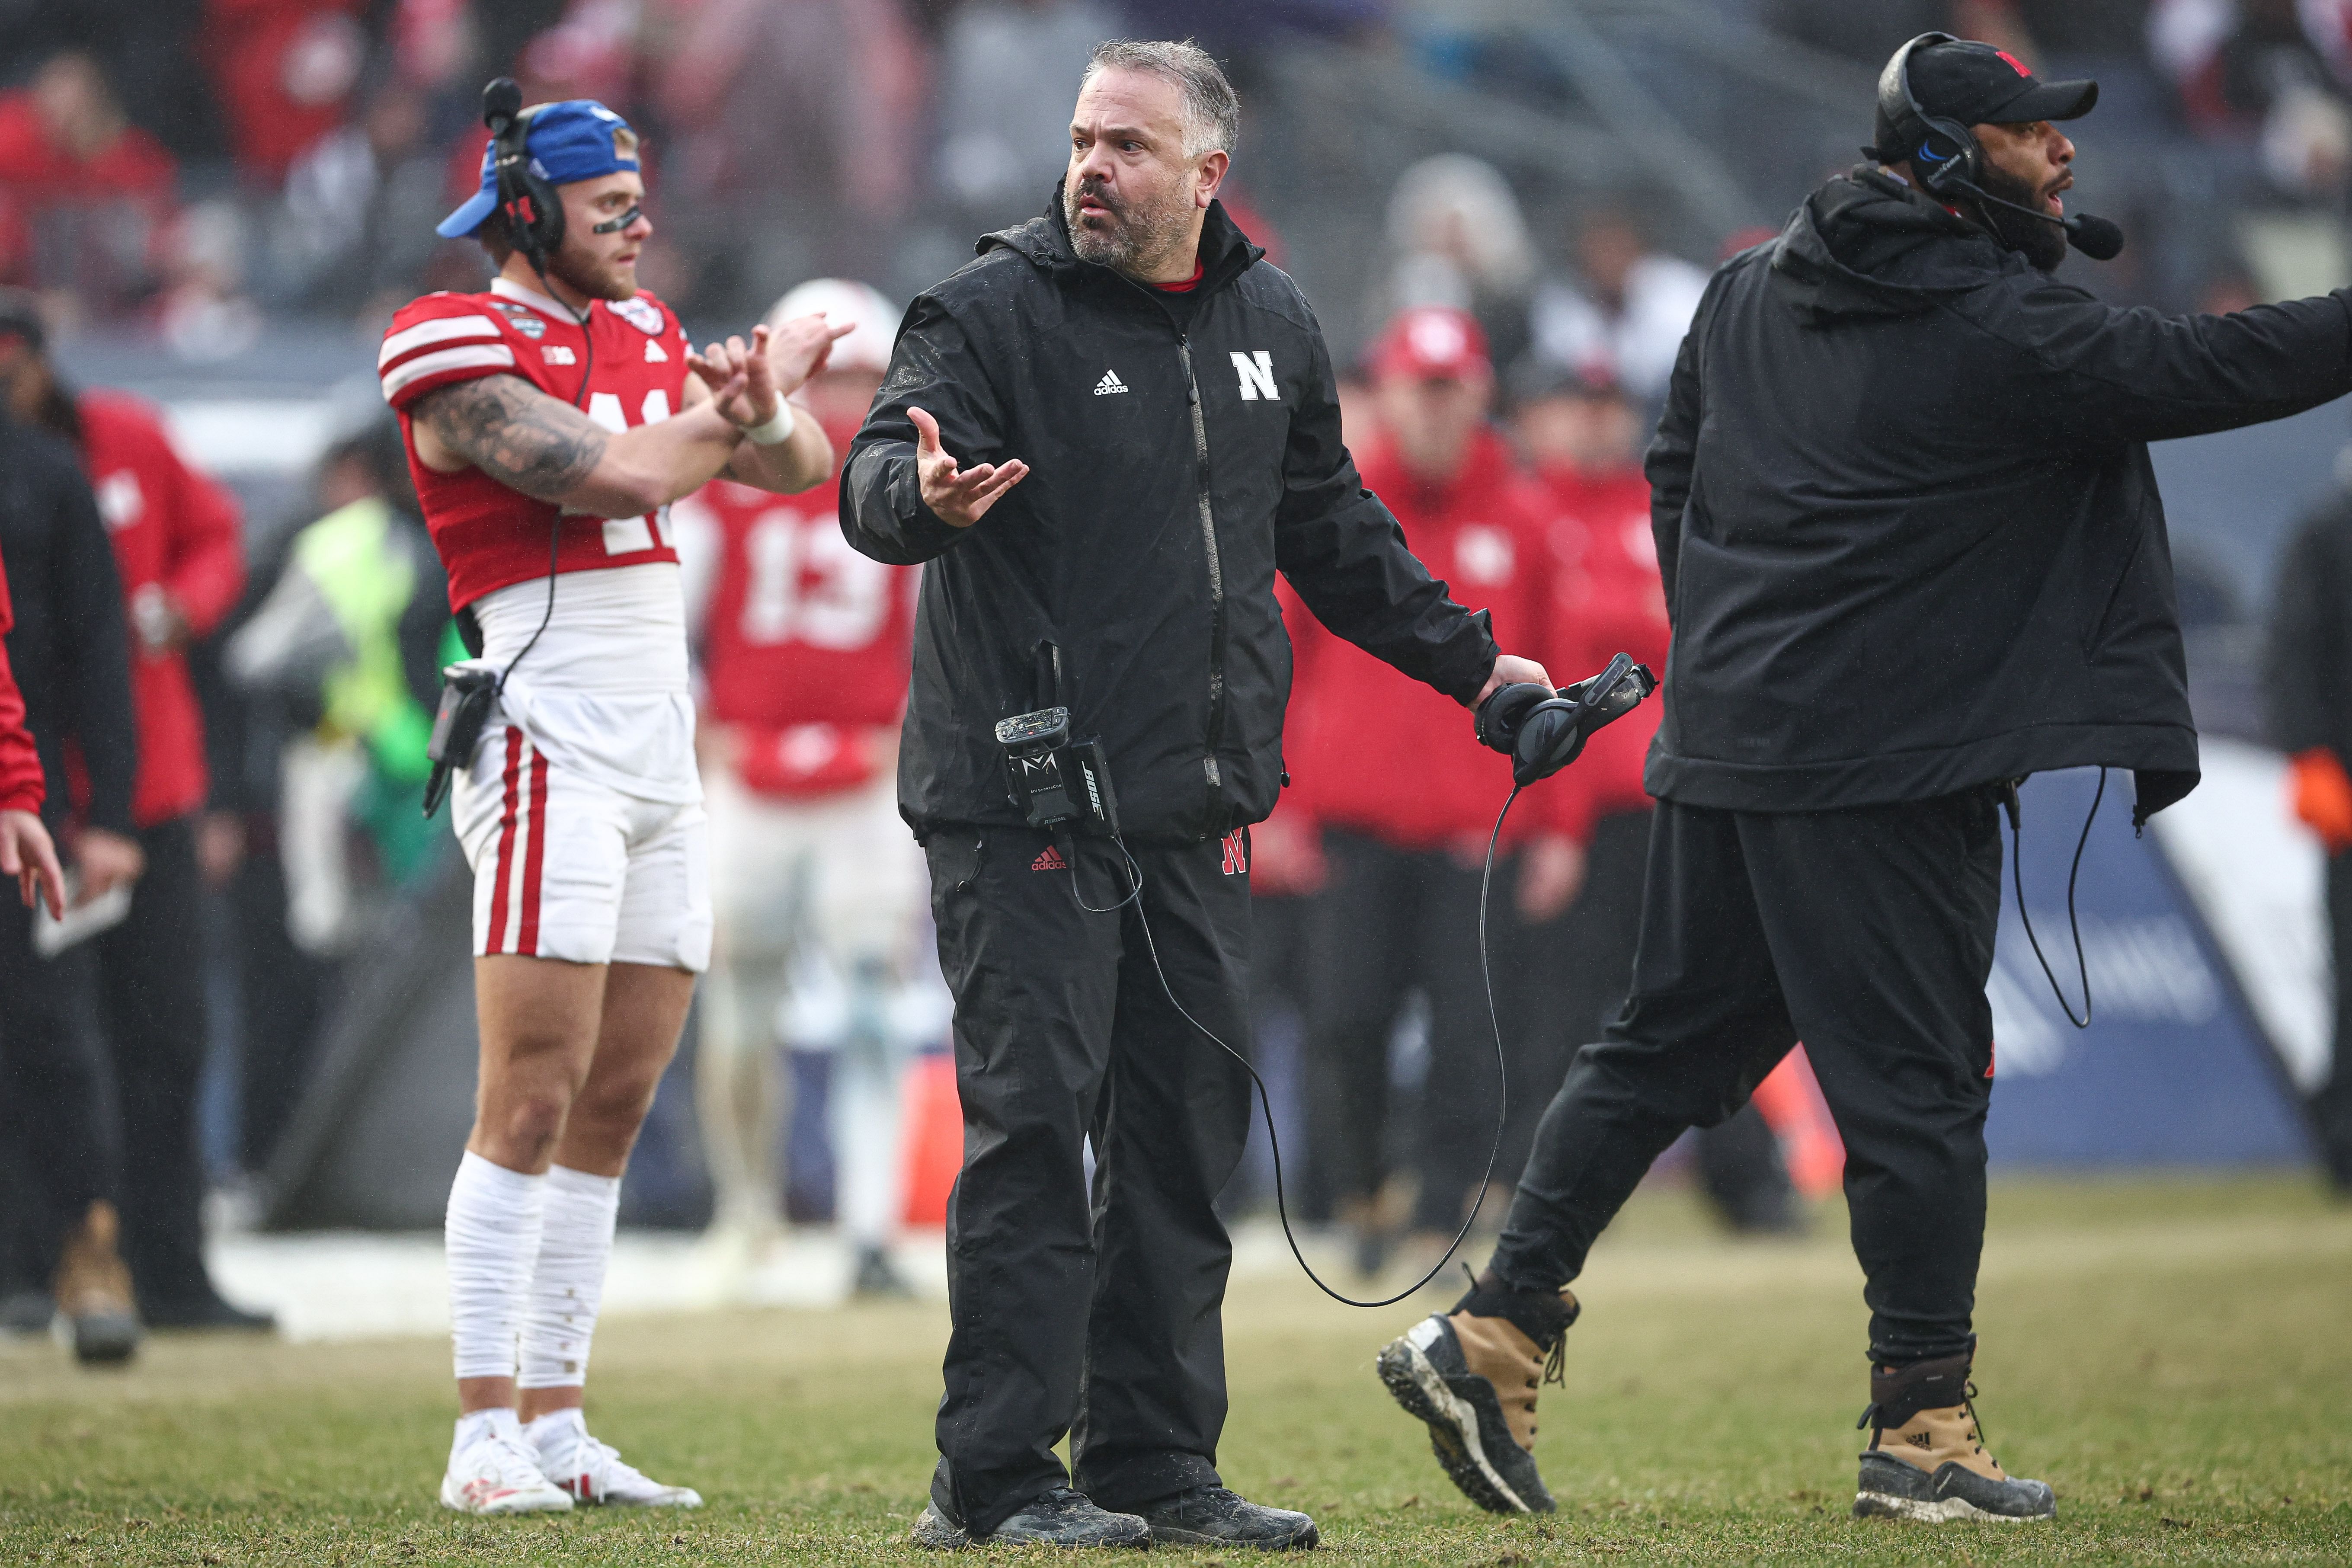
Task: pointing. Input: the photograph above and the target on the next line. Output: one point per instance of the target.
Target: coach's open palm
(958, 497)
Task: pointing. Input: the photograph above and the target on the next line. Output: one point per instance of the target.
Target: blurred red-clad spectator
(179, 546)
(1583, 434)
(1403, 795)
(285, 71)
(85, 195)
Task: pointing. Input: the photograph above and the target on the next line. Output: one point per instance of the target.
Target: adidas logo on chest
(1109, 384)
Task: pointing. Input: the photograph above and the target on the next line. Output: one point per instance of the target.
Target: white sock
(567, 1283)
(545, 1430)
(491, 1234)
(480, 1423)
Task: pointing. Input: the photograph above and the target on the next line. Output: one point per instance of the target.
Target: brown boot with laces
(1926, 1459)
(93, 1290)
(1473, 1376)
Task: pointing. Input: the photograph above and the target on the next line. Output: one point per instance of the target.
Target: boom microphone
(2094, 236)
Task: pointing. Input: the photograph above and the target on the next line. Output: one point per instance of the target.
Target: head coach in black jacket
(1912, 549)
(1144, 411)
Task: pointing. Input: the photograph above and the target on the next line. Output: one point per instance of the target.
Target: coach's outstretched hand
(958, 498)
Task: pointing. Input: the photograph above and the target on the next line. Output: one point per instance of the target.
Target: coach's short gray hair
(1213, 115)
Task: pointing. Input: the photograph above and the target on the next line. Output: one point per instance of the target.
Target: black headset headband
(1914, 131)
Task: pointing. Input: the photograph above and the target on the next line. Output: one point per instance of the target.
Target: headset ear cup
(547, 219)
(1549, 738)
(1958, 171)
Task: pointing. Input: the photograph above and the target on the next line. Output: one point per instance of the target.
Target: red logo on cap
(2020, 69)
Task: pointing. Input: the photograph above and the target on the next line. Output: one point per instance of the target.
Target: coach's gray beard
(1140, 240)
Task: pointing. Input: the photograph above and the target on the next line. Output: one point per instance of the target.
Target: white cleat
(590, 1472)
(498, 1474)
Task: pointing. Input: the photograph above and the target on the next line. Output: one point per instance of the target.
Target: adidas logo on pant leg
(1109, 384)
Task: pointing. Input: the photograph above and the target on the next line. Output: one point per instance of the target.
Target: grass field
(2175, 1356)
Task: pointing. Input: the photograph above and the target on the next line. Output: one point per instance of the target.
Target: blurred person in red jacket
(818, 889)
(1584, 434)
(180, 556)
(285, 71)
(86, 197)
(1394, 799)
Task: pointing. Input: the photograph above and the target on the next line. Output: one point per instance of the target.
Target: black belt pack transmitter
(468, 693)
(1056, 781)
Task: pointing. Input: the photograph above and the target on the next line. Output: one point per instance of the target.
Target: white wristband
(776, 431)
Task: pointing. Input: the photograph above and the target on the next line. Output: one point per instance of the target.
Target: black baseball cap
(1978, 84)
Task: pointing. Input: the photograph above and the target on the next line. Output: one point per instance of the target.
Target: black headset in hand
(1542, 730)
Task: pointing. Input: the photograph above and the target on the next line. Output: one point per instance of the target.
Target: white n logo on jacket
(1257, 371)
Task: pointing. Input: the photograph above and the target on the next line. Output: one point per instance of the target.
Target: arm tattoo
(515, 433)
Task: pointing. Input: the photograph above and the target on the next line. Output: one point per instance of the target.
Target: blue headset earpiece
(1916, 131)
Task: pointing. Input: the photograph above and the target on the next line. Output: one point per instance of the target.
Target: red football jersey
(805, 638)
(488, 535)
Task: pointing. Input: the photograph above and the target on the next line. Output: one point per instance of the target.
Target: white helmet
(842, 300)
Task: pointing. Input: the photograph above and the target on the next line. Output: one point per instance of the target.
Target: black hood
(1865, 245)
(1225, 251)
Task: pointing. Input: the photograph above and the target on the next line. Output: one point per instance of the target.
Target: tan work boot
(93, 1290)
(1472, 1375)
(1926, 1458)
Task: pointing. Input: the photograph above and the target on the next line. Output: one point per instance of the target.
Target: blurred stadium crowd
(1507, 211)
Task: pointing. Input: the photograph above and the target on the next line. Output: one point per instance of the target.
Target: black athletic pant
(1390, 920)
(151, 990)
(1868, 933)
(1580, 974)
(58, 1156)
(1098, 1319)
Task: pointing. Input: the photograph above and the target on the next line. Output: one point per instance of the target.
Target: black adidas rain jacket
(1910, 535)
(1176, 463)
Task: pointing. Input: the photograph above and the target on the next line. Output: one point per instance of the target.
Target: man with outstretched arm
(551, 421)
(1913, 551)
(1105, 435)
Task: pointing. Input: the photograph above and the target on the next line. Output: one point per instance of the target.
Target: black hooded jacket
(70, 648)
(1911, 539)
(1178, 458)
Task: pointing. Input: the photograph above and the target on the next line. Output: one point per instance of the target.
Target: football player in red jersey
(551, 421)
(817, 884)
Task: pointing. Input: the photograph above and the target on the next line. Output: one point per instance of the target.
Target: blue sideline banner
(2174, 1070)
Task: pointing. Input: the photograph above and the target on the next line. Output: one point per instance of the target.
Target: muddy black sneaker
(1057, 1518)
(1472, 1375)
(1926, 1460)
(1212, 1516)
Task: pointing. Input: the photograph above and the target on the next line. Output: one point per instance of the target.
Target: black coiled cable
(1281, 1206)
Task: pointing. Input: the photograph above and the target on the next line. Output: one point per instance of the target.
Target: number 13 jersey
(806, 644)
(629, 361)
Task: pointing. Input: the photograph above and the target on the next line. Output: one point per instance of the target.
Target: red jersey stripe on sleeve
(439, 330)
(414, 378)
